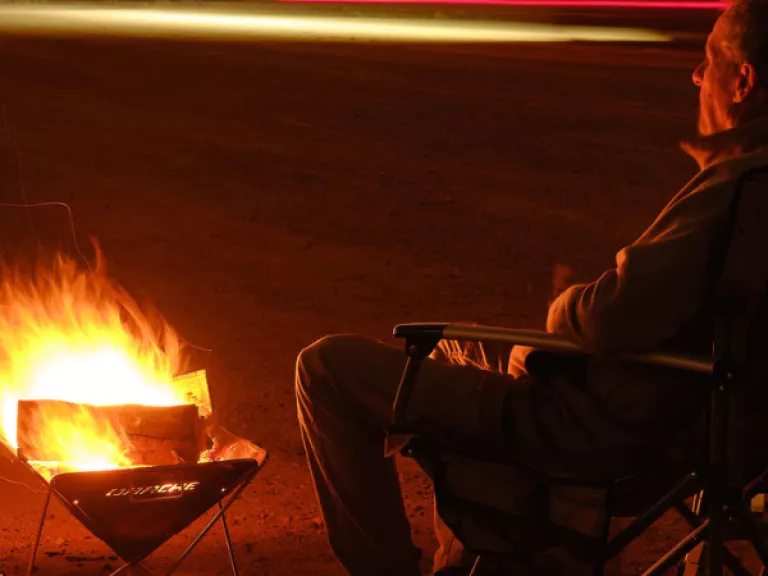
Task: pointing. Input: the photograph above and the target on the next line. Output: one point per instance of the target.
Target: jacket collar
(721, 146)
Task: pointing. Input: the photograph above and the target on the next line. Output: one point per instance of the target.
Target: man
(599, 418)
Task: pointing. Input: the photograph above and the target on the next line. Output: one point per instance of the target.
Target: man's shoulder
(704, 202)
(718, 181)
(728, 172)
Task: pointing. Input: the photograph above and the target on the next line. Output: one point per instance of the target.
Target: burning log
(137, 434)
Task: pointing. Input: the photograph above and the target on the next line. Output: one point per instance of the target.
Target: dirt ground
(264, 195)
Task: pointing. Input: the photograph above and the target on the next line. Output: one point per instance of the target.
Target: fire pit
(136, 509)
(91, 402)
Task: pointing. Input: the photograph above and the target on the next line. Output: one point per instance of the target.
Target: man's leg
(345, 389)
(451, 556)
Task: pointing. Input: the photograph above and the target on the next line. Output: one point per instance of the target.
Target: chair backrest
(740, 347)
(742, 289)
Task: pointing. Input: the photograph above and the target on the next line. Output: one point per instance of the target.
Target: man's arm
(659, 282)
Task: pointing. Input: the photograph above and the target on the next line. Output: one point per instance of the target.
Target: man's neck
(743, 138)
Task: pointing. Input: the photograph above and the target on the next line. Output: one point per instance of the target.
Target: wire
(19, 164)
(26, 204)
(22, 484)
(69, 215)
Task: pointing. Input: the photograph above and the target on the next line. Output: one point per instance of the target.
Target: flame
(72, 334)
(468, 354)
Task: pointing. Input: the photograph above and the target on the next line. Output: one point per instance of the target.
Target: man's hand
(516, 364)
(561, 279)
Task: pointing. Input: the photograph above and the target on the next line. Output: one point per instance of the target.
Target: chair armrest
(544, 341)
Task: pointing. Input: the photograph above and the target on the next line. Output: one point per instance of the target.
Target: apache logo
(155, 490)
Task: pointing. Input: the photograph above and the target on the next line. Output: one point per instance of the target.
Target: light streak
(186, 24)
(651, 4)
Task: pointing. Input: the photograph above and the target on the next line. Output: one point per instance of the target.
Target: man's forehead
(721, 29)
(721, 33)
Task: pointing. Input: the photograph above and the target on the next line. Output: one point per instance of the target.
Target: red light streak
(657, 4)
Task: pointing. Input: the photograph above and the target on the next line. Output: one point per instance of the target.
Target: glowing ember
(74, 335)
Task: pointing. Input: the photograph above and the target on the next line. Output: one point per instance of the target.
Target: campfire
(95, 398)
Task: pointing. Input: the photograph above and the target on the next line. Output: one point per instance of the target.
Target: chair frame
(721, 513)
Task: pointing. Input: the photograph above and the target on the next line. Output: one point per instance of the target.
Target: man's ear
(746, 82)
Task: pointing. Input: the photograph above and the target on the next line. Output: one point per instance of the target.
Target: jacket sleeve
(659, 283)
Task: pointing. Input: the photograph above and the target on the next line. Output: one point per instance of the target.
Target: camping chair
(723, 482)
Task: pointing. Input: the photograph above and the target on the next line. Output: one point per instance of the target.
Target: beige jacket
(658, 294)
(606, 416)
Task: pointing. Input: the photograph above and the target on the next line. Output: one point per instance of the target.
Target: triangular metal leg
(219, 516)
(135, 569)
(227, 539)
(39, 531)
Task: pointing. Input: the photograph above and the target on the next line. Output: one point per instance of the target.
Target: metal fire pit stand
(134, 567)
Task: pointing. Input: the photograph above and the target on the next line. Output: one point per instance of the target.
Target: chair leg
(693, 562)
(691, 565)
(734, 564)
(640, 524)
(477, 567)
(755, 535)
(715, 544)
(612, 566)
(485, 566)
(679, 551)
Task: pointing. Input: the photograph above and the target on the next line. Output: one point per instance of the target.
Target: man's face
(717, 78)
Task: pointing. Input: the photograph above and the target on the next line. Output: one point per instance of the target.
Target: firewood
(149, 435)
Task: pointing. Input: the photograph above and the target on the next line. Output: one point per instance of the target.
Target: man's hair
(748, 21)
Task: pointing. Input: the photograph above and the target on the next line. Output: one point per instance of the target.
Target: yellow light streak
(210, 23)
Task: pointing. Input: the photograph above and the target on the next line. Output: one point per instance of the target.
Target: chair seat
(512, 489)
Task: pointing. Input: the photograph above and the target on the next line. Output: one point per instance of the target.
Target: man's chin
(703, 129)
(703, 124)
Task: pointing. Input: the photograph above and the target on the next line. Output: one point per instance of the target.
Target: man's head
(733, 78)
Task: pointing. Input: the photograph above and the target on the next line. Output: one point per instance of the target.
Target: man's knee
(315, 364)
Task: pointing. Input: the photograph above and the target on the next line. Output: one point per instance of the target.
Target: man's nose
(698, 74)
